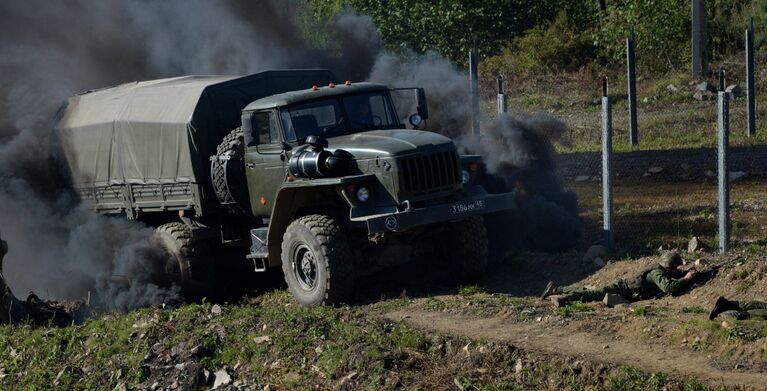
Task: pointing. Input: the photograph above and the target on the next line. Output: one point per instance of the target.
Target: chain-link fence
(665, 188)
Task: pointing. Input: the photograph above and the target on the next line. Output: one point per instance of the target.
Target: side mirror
(421, 106)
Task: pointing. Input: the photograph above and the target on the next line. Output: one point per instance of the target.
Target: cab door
(265, 162)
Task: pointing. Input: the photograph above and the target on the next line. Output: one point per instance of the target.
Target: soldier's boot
(558, 300)
(551, 289)
(722, 305)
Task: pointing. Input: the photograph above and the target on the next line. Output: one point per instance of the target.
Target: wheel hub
(305, 267)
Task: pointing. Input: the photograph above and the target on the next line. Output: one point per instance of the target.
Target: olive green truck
(320, 181)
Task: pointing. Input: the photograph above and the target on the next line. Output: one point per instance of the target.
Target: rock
(710, 174)
(598, 262)
(582, 178)
(704, 87)
(215, 310)
(518, 367)
(734, 90)
(262, 339)
(655, 170)
(121, 387)
(672, 88)
(611, 300)
(596, 251)
(700, 264)
(222, 379)
(703, 95)
(694, 245)
(735, 175)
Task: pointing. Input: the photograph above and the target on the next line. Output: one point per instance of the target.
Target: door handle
(251, 165)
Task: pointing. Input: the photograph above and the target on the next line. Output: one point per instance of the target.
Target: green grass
(575, 307)
(470, 290)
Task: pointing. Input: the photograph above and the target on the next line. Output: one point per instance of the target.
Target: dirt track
(593, 347)
(670, 338)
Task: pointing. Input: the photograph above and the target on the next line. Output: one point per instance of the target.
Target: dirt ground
(670, 335)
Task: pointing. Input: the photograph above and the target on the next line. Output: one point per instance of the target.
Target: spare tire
(228, 173)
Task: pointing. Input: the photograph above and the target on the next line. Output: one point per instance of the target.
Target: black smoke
(52, 50)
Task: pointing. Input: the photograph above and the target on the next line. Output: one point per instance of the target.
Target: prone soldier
(739, 309)
(663, 278)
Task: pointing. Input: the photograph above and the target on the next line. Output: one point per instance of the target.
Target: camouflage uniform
(658, 280)
(740, 309)
(648, 284)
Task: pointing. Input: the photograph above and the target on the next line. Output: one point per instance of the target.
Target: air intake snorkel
(317, 162)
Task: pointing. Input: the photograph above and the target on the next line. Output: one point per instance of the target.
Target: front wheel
(317, 261)
(468, 250)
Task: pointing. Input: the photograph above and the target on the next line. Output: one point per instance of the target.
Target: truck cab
(340, 155)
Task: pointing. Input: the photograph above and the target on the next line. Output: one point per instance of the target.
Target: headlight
(465, 177)
(363, 194)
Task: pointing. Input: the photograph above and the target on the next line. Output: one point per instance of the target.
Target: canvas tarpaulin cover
(162, 131)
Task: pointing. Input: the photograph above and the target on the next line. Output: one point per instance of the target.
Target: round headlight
(363, 194)
(465, 177)
(415, 120)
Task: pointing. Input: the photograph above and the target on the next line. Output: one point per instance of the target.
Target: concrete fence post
(750, 89)
(502, 105)
(723, 129)
(607, 151)
(632, 89)
(474, 81)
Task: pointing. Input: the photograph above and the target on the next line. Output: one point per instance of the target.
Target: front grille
(429, 173)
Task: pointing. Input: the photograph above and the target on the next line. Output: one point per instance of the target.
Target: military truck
(322, 180)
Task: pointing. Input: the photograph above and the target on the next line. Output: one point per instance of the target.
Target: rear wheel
(317, 261)
(186, 262)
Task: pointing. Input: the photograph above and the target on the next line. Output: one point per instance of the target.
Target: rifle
(708, 274)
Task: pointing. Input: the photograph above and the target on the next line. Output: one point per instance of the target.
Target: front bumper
(474, 205)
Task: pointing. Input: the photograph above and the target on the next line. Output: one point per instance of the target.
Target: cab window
(265, 128)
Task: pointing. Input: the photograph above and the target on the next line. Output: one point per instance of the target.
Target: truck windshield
(339, 115)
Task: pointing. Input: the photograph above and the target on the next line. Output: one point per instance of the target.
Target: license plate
(467, 207)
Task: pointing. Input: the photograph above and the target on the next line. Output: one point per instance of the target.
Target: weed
(469, 290)
(693, 310)
(574, 307)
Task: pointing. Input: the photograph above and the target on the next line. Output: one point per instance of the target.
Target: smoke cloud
(517, 150)
(51, 50)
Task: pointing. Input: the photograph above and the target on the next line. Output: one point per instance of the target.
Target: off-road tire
(333, 260)
(468, 252)
(187, 261)
(230, 191)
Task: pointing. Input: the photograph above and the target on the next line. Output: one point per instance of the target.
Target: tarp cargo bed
(145, 146)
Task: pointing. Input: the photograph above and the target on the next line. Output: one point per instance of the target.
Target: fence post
(723, 129)
(474, 89)
(699, 56)
(502, 105)
(632, 89)
(607, 151)
(750, 90)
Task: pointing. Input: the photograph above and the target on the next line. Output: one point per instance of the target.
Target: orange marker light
(348, 82)
(290, 178)
(314, 88)
(262, 201)
(332, 85)
(473, 166)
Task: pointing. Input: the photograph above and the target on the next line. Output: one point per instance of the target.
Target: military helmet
(670, 260)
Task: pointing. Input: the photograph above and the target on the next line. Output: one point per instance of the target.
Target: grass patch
(575, 307)
(470, 290)
(693, 310)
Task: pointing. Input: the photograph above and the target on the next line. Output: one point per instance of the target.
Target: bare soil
(670, 335)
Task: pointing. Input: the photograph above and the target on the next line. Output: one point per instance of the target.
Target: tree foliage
(449, 26)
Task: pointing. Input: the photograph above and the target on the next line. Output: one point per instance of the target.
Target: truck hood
(389, 142)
